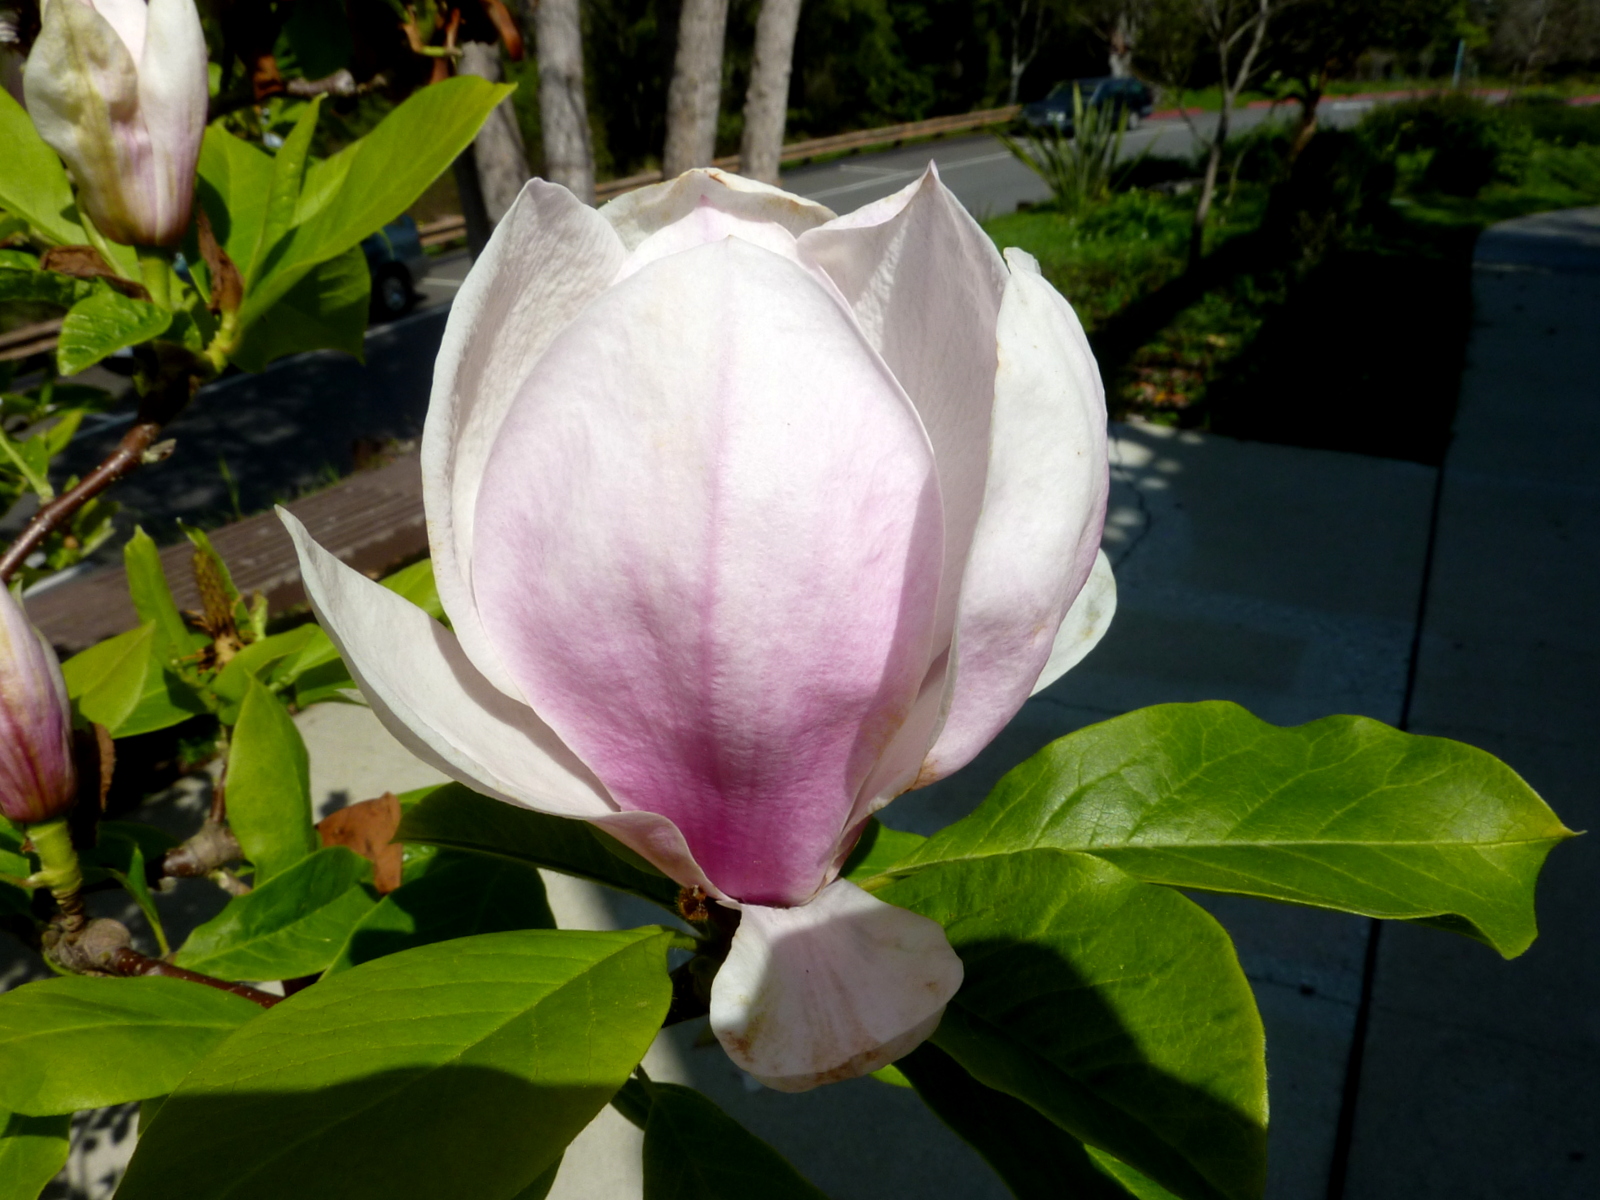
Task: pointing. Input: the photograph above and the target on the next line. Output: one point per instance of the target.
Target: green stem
(59, 869)
(97, 239)
(155, 266)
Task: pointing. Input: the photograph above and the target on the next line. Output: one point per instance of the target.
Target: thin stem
(155, 268)
(164, 399)
(130, 963)
(59, 870)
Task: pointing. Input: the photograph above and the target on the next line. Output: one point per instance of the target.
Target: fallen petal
(832, 989)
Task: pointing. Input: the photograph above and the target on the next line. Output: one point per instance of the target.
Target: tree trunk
(492, 171)
(766, 104)
(1310, 99)
(1208, 189)
(695, 96)
(1120, 55)
(563, 110)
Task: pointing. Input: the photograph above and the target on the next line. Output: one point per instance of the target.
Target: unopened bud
(37, 779)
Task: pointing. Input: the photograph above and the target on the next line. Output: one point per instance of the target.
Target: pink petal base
(830, 990)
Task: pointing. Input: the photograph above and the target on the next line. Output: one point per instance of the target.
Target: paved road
(989, 180)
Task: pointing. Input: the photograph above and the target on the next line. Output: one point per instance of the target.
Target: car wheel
(391, 292)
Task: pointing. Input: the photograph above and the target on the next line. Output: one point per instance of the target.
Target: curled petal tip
(830, 990)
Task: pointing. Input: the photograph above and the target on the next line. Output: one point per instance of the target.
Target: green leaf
(1037, 1159)
(34, 184)
(416, 584)
(122, 684)
(878, 849)
(540, 1187)
(457, 896)
(136, 885)
(1342, 813)
(203, 548)
(457, 818)
(695, 1151)
(269, 785)
(372, 181)
(235, 186)
(105, 322)
(152, 596)
(288, 172)
(85, 1042)
(32, 1152)
(266, 660)
(1116, 1008)
(458, 1069)
(326, 309)
(29, 461)
(290, 926)
(43, 287)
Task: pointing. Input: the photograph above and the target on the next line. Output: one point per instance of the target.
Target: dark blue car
(1125, 95)
(395, 258)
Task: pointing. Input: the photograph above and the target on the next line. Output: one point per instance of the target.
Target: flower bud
(119, 90)
(37, 779)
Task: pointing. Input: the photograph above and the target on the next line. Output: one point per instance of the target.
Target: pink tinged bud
(37, 780)
(119, 90)
(747, 519)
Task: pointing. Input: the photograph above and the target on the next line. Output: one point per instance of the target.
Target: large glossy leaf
(457, 818)
(152, 597)
(85, 1042)
(1116, 1008)
(458, 895)
(695, 1151)
(878, 850)
(1037, 1159)
(34, 185)
(32, 1151)
(123, 684)
(1342, 813)
(326, 309)
(269, 786)
(458, 1069)
(293, 925)
(373, 180)
(103, 322)
(14, 901)
(288, 172)
(235, 186)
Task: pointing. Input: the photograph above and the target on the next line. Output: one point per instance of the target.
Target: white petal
(637, 214)
(830, 990)
(1085, 624)
(708, 223)
(428, 695)
(412, 671)
(549, 257)
(130, 18)
(1043, 511)
(173, 93)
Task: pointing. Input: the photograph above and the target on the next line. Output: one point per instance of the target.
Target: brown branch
(104, 947)
(131, 963)
(166, 397)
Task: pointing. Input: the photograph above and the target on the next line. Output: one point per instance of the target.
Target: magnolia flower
(747, 519)
(37, 779)
(119, 90)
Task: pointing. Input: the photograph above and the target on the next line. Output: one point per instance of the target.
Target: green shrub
(1550, 119)
(1452, 144)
